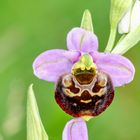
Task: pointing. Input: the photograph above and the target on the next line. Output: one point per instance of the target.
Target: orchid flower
(84, 77)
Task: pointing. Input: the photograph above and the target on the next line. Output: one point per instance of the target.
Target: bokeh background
(29, 27)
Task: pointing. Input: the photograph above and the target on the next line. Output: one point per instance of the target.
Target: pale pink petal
(75, 129)
(79, 39)
(120, 69)
(51, 64)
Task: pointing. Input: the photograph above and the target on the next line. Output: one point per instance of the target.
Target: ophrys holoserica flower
(85, 78)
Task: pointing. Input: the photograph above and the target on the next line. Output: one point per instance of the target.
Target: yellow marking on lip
(67, 81)
(86, 118)
(102, 83)
(86, 101)
(84, 64)
(101, 92)
(71, 94)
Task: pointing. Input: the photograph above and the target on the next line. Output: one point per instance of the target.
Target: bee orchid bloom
(52, 64)
(85, 78)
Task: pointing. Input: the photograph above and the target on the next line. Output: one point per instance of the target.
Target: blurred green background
(29, 27)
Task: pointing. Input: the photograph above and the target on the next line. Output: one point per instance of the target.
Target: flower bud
(118, 10)
(131, 19)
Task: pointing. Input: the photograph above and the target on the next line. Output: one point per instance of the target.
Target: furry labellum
(85, 95)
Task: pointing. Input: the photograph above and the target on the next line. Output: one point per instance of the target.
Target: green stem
(111, 40)
(121, 38)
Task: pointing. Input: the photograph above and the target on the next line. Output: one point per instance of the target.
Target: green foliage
(35, 128)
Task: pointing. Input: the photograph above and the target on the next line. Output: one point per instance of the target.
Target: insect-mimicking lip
(88, 99)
